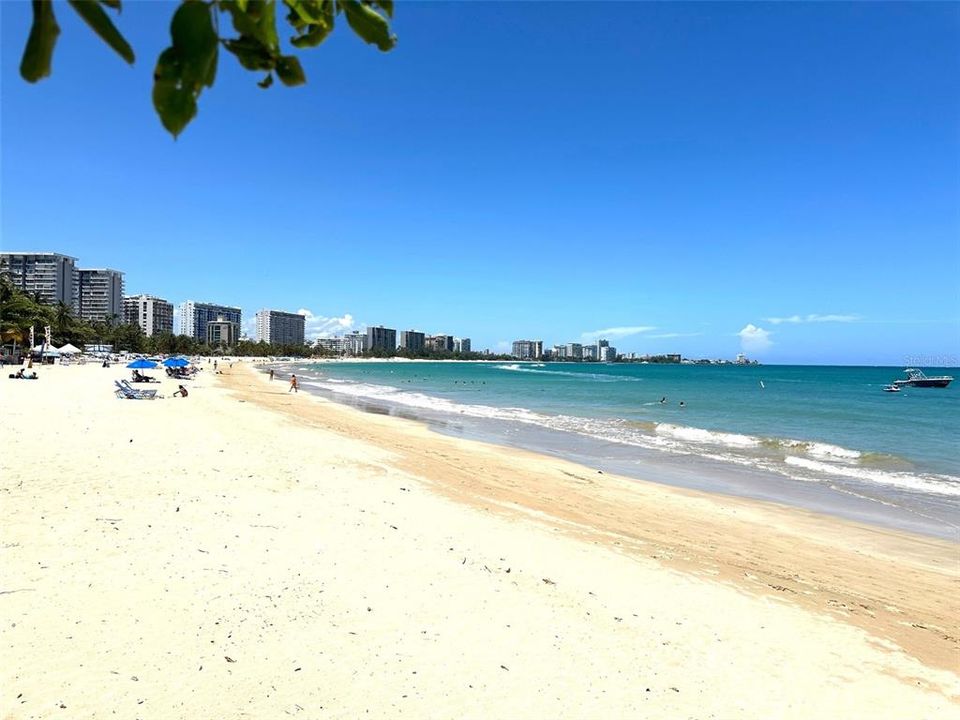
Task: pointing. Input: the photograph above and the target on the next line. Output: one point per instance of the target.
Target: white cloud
(615, 333)
(318, 326)
(754, 339)
(813, 318)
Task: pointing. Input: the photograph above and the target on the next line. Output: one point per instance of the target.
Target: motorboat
(916, 378)
(891, 388)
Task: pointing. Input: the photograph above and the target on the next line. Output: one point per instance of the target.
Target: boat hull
(926, 382)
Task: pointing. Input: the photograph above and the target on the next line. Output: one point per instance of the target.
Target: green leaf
(256, 20)
(386, 6)
(97, 19)
(368, 24)
(268, 27)
(266, 82)
(112, 4)
(290, 71)
(184, 68)
(195, 42)
(313, 38)
(251, 53)
(307, 10)
(174, 101)
(313, 20)
(38, 53)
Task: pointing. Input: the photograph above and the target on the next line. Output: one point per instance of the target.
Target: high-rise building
(440, 343)
(154, 315)
(101, 295)
(608, 353)
(192, 317)
(355, 343)
(412, 340)
(461, 345)
(589, 352)
(381, 338)
(527, 349)
(52, 276)
(222, 333)
(280, 328)
(574, 351)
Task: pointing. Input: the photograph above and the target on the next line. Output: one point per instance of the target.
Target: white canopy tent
(69, 349)
(49, 351)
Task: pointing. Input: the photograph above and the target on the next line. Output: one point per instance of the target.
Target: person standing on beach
(294, 385)
(271, 374)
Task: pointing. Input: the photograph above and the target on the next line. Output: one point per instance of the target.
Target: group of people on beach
(21, 375)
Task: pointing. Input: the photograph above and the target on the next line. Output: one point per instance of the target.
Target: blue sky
(695, 178)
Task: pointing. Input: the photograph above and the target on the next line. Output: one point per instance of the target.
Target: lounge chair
(126, 392)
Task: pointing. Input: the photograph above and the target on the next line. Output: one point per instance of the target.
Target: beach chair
(125, 391)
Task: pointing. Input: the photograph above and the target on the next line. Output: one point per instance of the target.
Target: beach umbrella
(176, 362)
(141, 364)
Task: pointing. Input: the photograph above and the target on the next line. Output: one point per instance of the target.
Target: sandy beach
(247, 552)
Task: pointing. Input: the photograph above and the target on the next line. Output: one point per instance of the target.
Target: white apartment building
(154, 315)
(334, 345)
(355, 343)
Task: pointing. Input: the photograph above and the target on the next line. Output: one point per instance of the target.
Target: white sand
(208, 557)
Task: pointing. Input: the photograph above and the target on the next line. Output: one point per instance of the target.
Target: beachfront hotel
(154, 315)
(193, 317)
(100, 294)
(461, 345)
(280, 328)
(52, 276)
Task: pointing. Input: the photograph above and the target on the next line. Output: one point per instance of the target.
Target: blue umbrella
(141, 363)
(176, 362)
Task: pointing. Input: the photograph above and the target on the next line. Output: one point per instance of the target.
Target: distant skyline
(704, 179)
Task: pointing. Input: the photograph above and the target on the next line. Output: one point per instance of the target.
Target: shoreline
(696, 469)
(598, 520)
(249, 551)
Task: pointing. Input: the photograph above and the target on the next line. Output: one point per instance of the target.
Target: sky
(776, 179)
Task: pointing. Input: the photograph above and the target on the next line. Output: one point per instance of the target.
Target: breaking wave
(808, 461)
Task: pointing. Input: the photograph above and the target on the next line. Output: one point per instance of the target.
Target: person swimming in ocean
(682, 404)
(663, 400)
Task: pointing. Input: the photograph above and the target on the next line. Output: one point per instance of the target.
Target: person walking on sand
(294, 385)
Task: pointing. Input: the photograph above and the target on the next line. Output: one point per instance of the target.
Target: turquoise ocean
(823, 438)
